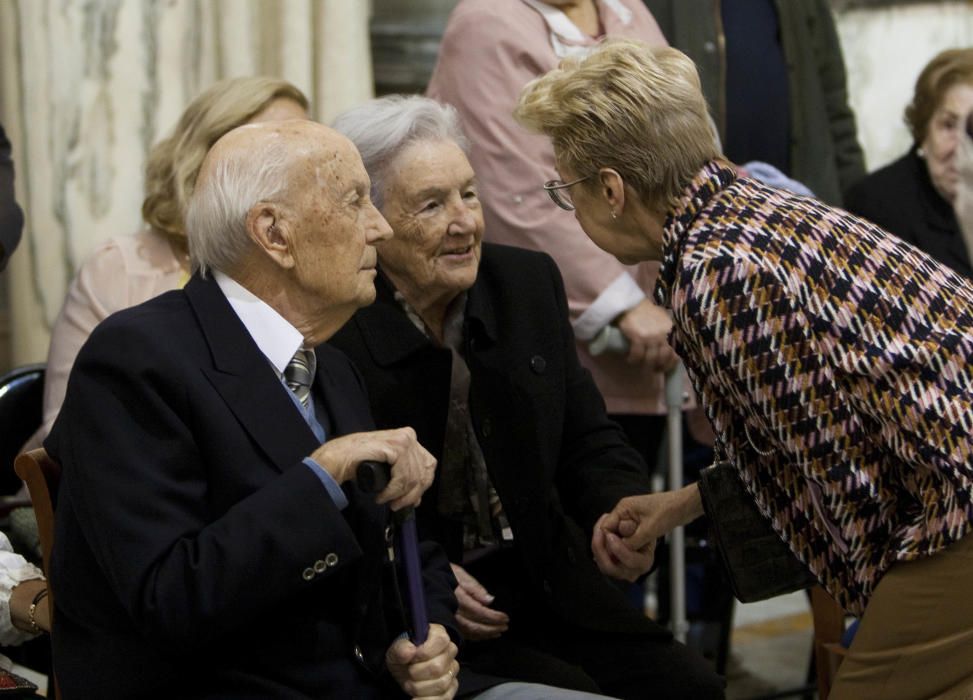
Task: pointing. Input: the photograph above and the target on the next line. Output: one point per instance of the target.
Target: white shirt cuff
(620, 296)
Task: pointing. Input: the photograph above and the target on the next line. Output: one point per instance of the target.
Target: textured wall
(87, 86)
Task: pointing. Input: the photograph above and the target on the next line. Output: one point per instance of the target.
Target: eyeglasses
(560, 192)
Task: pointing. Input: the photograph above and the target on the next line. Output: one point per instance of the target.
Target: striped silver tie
(299, 374)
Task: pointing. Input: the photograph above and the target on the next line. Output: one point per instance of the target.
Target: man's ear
(270, 234)
(612, 188)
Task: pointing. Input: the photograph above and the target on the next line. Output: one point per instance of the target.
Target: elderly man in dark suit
(211, 540)
(470, 344)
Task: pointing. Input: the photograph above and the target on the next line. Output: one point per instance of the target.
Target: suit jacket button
(547, 587)
(538, 364)
(331, 559)
(486, 427)
(308, 574)
(320, 566)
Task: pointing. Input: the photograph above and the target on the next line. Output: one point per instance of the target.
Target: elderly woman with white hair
(834, 361)
(470, 344)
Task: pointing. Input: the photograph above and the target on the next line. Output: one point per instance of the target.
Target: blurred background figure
(127, 270)
(773, 75)
(490, 50)
(913, 197)
(11, 217)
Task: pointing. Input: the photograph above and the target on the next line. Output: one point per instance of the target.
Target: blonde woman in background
(834, 361)
(127, 270)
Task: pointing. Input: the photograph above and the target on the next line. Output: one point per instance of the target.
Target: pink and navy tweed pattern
(836, 364)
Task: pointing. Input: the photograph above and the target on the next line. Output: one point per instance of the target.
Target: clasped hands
(623, 541)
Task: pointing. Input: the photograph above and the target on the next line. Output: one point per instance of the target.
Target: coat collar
(712, 178)
(246, 380)
(391, 336)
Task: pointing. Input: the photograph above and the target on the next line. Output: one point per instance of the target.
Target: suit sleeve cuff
(332, 486)
(620, 296)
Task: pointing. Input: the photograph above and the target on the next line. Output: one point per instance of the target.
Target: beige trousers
(915, 641)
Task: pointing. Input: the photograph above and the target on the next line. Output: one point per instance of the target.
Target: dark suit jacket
(193, 554)
(555, 459)
(901, 199)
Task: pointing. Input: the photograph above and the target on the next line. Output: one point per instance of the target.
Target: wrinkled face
(431, 202)
(334, 226)
(942, 138)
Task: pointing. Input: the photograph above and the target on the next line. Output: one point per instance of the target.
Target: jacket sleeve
(849, 158)
(597, 466)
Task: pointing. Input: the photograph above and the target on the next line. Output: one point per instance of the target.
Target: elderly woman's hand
(654, 515)
(647, 328)
(475, 618)
(613, 557)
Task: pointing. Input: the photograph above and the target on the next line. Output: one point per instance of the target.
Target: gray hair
(216, 218)
(382, 128)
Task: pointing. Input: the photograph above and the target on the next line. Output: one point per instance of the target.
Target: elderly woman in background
(127, 270)
(470, 344)
(914, 196)
(834, 361)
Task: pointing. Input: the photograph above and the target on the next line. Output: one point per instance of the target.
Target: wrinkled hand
(426, 671)
(475, 618)
(641, 520)
(615, 558)
(413, 468)
(647, 326)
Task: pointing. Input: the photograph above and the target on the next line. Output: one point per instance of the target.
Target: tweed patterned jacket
(836, 365)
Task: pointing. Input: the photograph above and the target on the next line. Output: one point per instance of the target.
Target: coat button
(308, 574)
(538, 364)
(486, 427)
(331, 559)
(320, 566)
(547, 587)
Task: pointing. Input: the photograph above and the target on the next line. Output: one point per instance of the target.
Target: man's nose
(378, 228)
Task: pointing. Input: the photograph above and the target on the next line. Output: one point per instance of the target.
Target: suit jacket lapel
(245, 379)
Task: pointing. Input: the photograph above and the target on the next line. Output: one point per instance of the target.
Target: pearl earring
(614, 214)
(921, 152)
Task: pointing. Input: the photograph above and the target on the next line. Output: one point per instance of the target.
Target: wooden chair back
(43, 476)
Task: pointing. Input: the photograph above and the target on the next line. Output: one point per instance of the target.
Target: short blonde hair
(946, 69)
(174, 162)
(627, 106)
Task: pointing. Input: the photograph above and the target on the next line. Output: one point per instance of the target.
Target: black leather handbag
(757, 561)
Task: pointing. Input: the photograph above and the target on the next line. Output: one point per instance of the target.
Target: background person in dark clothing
(913, 197)
(774, 78)
(11, 217)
